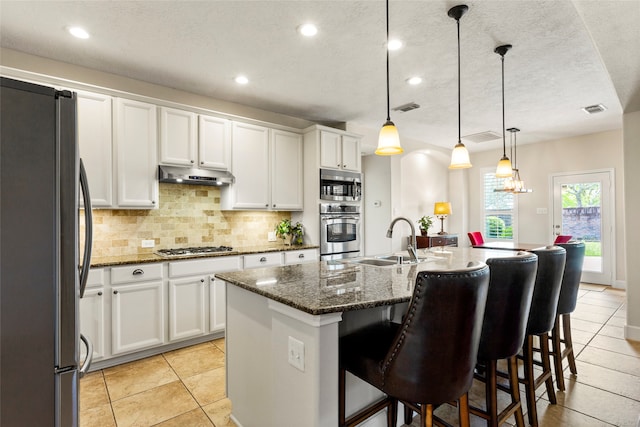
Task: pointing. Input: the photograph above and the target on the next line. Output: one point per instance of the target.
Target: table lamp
(441, 210)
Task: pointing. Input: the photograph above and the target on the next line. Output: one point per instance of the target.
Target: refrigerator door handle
(89, 358)
(88, 235)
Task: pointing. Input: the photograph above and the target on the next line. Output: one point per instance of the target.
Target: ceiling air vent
(593, 109)
(406, 107)
(482, 137)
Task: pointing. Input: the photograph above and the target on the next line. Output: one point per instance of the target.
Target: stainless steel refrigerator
(41, 274)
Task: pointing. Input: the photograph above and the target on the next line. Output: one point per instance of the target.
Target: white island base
(265, 389)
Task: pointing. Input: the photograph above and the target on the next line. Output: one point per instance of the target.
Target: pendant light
(513, 184)
(388, 140)
(504, 169)
(460, 155)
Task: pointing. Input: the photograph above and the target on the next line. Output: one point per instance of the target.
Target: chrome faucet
(411, 247)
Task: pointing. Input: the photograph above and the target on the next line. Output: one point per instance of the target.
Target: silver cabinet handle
(115, 292)
(263, 259)
(99, 294)
(301, 256)
(192, 161)
(87, 361)
(201, 280)
(138, 271)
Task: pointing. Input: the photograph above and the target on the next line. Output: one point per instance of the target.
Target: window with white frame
(499, 209)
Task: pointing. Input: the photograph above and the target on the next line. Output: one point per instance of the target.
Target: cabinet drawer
(303, 255)
(136, 273)
(204, 266)
(444, 241)
(263, 260)
(95, 278)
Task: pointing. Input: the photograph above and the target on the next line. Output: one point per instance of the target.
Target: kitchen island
(283, 327)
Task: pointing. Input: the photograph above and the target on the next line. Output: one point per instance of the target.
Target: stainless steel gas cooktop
(203, 250)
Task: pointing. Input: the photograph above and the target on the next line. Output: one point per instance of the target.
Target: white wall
(376, 204)
(631, 133)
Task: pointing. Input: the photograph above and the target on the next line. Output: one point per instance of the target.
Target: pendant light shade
(460, 155)
(504, 169)
(389, 139)
(513, 184)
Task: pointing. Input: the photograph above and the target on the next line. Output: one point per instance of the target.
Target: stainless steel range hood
(178, 175)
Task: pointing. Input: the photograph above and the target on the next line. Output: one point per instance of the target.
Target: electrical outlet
(296, 353)
(541, 211)
(148, 243)
(271, 236)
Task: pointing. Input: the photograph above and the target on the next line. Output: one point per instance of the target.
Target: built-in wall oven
(339, 231)
(340, 186)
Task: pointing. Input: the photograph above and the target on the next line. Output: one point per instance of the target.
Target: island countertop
(337, 286)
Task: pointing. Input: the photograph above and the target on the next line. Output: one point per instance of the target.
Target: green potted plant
(425, 222)
(289, 232)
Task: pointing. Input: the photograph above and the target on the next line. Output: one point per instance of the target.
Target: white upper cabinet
(339, 151)
(94, 138)
(192, 140)
(286, 170)
(267, 166)
(178, 137)
(214, 142)
(136, 153)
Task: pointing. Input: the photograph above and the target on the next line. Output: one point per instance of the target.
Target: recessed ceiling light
(78, 32)
(308, 30)
(414, 80)
(395, 44)
(241, 80)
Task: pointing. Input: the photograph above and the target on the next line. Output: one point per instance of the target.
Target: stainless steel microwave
(337, 185)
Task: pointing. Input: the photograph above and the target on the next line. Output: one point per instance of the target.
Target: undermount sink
(384, 261)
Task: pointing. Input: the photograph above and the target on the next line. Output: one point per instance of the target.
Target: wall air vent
(482, 137)
(406, 107)
(593, 109)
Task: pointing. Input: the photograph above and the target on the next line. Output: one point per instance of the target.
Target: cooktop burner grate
(193, 251)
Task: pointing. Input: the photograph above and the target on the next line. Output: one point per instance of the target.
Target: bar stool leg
(408, 415)
(514, 388)
(491, 393)
(546, 367)
(557, 353)
(463, 410)
(530, 388)
(341, 397)
(426, 415)
(568, 343)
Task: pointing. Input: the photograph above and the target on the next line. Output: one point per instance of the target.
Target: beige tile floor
(186, 387)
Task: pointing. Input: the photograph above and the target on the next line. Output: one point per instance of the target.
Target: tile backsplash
(188, 215)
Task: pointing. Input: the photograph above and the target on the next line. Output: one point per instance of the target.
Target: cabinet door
(250, 159)
(330, 151)
(350, 153)
(136, 154)
(137, 316)
(94, 139)
(217, 304)
(214, 143)
(286, 170)
(178, 137)
(301, 256)
(92, 320)
(187, 307)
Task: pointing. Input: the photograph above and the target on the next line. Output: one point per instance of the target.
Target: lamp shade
(460, 157)
(442, 208)
(388, 140)
(504, 169)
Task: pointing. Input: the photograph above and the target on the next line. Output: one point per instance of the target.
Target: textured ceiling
(566, 55)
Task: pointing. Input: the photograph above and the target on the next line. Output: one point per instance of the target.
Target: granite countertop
(336, 286)
(97, 262)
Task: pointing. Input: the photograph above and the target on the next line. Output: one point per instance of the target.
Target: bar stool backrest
(508, 304)
(571, 277)
(546, 290)
(434, 353)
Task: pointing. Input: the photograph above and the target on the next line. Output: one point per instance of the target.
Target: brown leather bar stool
(503, 331)
(566, 305)
(541, 319)
(429, 358)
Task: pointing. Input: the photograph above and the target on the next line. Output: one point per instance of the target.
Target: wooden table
(509, 246)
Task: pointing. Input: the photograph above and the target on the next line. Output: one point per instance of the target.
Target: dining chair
(562, 238)
(503, 331)
(476, 238)
(566, 305)
(418, 362)
(542, 314)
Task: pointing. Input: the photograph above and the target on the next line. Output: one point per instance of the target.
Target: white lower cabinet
(92, 313)
(300, 256)
(137, 308)
(267, 259)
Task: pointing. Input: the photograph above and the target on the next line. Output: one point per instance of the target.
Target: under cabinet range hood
(178, 175)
